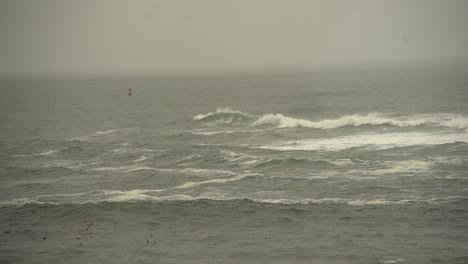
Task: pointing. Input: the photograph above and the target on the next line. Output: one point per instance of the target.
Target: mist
(90, 38)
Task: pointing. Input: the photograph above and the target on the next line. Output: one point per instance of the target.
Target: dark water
(331, 167)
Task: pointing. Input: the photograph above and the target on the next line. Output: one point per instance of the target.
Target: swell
(36, 148)
(143, 196)
(36, 172)
(228, 115)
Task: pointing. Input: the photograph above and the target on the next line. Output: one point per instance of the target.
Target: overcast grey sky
(63, 37)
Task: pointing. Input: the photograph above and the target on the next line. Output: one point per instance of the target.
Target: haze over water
(259, 132)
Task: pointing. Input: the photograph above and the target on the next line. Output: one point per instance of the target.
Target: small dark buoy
(129, 91)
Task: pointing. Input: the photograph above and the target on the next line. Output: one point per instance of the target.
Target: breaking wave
(224, 115)
(138, 195)
(23, 201)
(375, 141)
(228, 115)
(371, 119)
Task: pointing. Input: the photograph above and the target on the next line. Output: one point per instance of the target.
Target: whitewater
(228, 115)
(357, 167)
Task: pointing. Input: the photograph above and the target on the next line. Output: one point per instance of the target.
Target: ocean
(358, 166)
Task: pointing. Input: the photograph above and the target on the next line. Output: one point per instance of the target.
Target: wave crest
(373, 141)
(372, 119)
(224, 115)
(228, 115)
(138, 195)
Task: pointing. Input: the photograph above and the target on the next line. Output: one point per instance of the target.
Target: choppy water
(343, 167)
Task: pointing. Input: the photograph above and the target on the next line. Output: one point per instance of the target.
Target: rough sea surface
(324, 167)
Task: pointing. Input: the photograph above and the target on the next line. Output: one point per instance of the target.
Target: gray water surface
(330, 167)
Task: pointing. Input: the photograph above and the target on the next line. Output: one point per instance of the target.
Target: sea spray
(228, 115)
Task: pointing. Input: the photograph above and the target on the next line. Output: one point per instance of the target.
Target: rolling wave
(224, 115)
(371, 119)
(374, 141)
(138, 195)
(228, 115)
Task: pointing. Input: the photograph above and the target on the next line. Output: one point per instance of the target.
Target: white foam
(192, 171)
(451, 120)
(144, 195)
(130, 168)
(340, 162)
(446, 120)
(120, 196)
(249, 163)
(23, 201)
(105, 132)
(141, 158)
(223, 180)
(130, 150)
(282, 121)
(449, 160)
(208, 133)
(456, 122)
(391, 261)
(376, 141)
(197, 171)
(148, 195)
(60, 163)
(217, 132)
(97, 134)
(119, 150)
(234, 156)
(398, 167)
(357, 202)
(107, 168)
(64, 194)
(45, 153)
(335, 201)
(188, 160)
(241, 159)
(226, 110)
(378, 202)
(139, 168)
